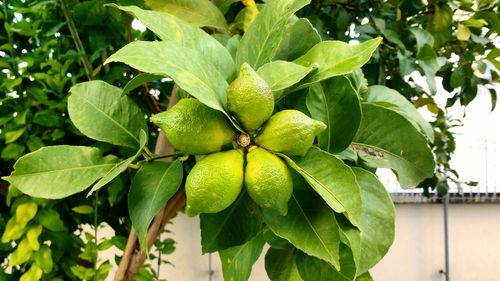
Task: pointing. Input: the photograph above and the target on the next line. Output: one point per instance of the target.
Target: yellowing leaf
(463, 32)
(25, 212)
(32, 236)
(22, 253)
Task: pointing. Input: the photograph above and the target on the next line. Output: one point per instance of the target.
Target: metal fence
(475, 160)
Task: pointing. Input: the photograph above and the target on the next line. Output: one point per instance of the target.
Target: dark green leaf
(191, 70)
(101, 112)
(332, 179)
(196, 12)
(153, 185)
(392, 99)
(237, 262)
(261, 41)
(50, 219)
(310, 226)
(313, 269)
(234, 226)
(280, 265)
(299, 37)
(140, 80)
(386, 139)
(12, 151)
(58, 171)
(335, 103)
(334, 58)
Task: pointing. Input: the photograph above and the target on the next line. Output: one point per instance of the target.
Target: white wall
(417, 253)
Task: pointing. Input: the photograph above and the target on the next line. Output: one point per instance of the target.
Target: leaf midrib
(108, 117)
(61, 170)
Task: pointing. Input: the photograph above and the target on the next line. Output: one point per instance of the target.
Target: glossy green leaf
(153, 185)
(314, 269)
(83, 209)
(260, 43)
(196, 12)
(58, 171)
(231, 227)
(281, 75)
(121, 166)
(334, 58)
(171, 28)
(50, 219)
(392, 99)
(12, 136)
(365, 277)
(280, 265)
(299, 38)
(335, 103)
(386, 139)
(101, 112)
(43, 258)
(237, 262)
(139, 80)
(310, 226)
(191, 70)
(332, 179)
(377, 219)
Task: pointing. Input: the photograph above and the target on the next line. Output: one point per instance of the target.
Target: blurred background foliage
(46, 46)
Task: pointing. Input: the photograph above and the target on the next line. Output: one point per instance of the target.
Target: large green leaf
(101, 112)
(335, 103)
(54, 172)
(171, 28)
(386, 139)
(314, 269)
(231, 227)
(281, 75)
(260, 43)
(332, 179)
(120, 166)
(280, 265)
(299, 37)
(334, 58)
(153, 185)
(377, 220)
(196, 12)
(392, 99)
(190, 69)
(237, 262)
(310, 226)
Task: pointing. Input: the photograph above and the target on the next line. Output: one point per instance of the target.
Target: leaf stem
(76, 39)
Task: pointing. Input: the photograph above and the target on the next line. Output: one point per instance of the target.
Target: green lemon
(250, 99)
(290, 132)
(194, 128)
(268, 180)
(214, 182)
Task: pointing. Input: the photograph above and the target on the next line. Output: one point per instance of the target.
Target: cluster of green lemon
(216, 180)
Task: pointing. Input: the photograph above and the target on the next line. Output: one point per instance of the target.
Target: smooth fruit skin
(194, 128)
(250, 99)
(268, 180)
(290, 132)
(214, 183)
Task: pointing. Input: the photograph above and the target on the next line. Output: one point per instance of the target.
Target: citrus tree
(276, 133)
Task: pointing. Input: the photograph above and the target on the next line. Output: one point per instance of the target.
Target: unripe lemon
(268, 180)
(290, 132)
(214, 182)
(250, 99)
(194, 128)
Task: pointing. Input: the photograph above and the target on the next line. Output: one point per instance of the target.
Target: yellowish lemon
(290, 132)
(268, 180)
(195, 128)
(214, 183)
(250, 99)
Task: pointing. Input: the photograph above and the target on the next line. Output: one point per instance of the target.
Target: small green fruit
(214, 183)
(268, 180)
(194, 128)
(250, 99)
(290, 132)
